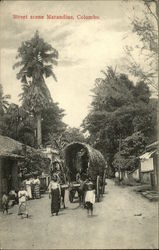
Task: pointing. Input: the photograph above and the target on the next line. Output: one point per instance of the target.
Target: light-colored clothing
(117, 174)
(4, 199)
(36, 181)
(22, 195)
(90, 196)
(54, 185)
(28, 188)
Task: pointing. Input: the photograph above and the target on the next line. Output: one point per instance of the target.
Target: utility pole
(119, 169)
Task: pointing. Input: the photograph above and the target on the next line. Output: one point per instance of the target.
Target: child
(90, 197)
(22, 195)
(5, 201)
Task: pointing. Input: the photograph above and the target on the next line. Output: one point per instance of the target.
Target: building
(12, 153)
(149, 165)
(9, 156)
(52, 154)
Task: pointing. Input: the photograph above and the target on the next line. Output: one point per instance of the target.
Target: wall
(145, 178)
(8, 176)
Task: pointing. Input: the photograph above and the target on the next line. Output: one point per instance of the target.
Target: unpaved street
(123, 219)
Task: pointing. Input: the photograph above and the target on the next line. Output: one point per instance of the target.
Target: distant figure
(32, 186)
(117, 177)
(36, 191)
(80, 189)
(5, 201)
(22, 195)
(55, 195)
(90, 197)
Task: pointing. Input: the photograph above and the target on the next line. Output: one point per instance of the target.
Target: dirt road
(123, 219)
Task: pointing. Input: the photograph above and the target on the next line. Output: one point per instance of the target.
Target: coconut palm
(36, 63)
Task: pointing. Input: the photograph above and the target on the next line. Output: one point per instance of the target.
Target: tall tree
(146, 26)
(147, 29)
(52, 123)
(119, 109)
(37, 58)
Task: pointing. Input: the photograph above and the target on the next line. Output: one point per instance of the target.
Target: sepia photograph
(79, 113)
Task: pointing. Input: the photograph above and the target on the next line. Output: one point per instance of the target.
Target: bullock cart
(83, 160)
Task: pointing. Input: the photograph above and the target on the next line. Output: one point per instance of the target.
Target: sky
(85, 47)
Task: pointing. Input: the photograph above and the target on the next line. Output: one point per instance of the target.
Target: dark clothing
(89, 205)
(36, 191)
(55, 200)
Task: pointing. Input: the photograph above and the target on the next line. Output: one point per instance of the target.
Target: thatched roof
(9, 146)
(14, 149)
(96, 160)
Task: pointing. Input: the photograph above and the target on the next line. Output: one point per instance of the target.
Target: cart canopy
(82, 158)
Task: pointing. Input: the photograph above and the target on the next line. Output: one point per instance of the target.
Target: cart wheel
(97, 189)
(70, 196)
(103, 187)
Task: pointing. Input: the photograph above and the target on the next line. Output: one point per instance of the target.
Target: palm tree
(3, 101)
(36, 63)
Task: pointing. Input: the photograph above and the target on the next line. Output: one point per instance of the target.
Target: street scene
(119, 222)
(79, 113)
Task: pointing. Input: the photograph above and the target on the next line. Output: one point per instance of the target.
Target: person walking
(55, 195)
(89, 197)
(22, 195)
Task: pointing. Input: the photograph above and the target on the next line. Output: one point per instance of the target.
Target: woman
(28, 188)
(36, 183)
(55, 195)
(22, 195)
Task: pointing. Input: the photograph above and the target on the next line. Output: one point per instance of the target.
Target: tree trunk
(157, 13)
(39, 136)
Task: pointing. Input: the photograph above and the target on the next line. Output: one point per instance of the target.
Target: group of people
(32, 186)
(29, 189)
(86, 194)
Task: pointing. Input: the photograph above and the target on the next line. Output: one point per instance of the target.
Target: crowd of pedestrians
(30, 189)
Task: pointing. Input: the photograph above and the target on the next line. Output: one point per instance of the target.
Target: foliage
(145, 26)
(61, 139)
(3, 101)
(34, 163)
(73, 134)
(36, 60)
(35, 56)
(52, 122)
(131, 148)
(19, 125)
(118, 110)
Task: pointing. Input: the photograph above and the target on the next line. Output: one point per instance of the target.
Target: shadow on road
(91, 216)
